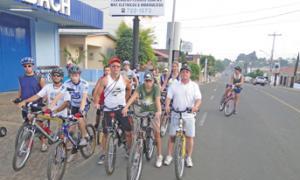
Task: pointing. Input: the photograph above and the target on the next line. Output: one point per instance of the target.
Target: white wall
(46, 42)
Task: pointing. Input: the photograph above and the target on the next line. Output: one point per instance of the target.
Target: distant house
(286, 74)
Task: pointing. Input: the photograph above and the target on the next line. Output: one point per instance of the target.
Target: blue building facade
(30, 28)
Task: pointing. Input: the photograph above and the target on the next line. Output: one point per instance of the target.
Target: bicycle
(58, 157)
(180, 145)
(26, 134)
(165, 118)
(99, 128)
(227, 104)
(143, 144)
(115, 136)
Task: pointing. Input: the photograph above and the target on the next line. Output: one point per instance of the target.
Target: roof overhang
(78, 14)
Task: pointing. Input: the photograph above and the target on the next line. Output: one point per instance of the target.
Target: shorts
(75, 110)
(123, 121)
(237, 90)
(189, 125)
(155, 124)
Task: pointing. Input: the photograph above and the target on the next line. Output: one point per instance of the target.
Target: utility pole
(272, 56)
(205, 70)
(295, 72)
(172, 36)
(135, 57)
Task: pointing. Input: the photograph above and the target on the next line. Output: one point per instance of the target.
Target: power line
(244, 21)
(239, 13)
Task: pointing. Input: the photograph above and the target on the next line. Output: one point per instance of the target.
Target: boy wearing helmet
(51, 91)
(29, 83)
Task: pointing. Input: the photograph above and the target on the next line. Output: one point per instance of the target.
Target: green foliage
(211, 62)
(125, 44)
(195, 71)
(256, 73)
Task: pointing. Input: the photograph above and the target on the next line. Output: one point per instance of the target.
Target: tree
(195, 71)
(125, 44)
(219, 66)
(256, 73)
(211, 61)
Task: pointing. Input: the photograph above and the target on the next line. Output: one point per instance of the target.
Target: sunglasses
(148, 80)
(27, 66)
(56, 75)
(115, 66)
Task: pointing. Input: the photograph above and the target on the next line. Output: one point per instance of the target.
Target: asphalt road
(261, 142)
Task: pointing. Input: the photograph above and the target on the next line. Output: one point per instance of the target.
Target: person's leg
(189, 146)
(171, 140)
(190, 134)
(236, 100)
(126, 125)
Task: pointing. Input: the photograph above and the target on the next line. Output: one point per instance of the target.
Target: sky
(226, 28)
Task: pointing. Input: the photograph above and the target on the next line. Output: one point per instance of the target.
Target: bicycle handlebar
(188, 110)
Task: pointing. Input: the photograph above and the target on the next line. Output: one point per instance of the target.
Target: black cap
(185, 67)
(148, 76)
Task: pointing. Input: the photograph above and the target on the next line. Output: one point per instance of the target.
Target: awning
(75, 15)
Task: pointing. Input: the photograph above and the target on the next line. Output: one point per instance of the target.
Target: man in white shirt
(51, 91)
(185, 94)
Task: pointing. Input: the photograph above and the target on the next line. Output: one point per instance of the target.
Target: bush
(195, 71)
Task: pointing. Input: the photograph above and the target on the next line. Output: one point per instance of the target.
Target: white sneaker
(159, 161)
(168, 160)
(71, 157)
(189, 162)
(83, 141)
(44, 148)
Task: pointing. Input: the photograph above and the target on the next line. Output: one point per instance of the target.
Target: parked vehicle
(260, 80)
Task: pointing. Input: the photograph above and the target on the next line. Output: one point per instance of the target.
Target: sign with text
(137, 7)
(61, 6)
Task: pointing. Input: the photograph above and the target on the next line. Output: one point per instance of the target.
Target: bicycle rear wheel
(165, 124)
(179, 156)
(229, 107)
(23, 149)
(89, 149)
(110, 154)
(57, 162)
(19, 133)
(149, 143)
(135, 163)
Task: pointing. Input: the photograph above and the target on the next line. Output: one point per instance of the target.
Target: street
(261, 142)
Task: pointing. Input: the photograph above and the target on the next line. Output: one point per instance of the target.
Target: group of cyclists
(121, 89)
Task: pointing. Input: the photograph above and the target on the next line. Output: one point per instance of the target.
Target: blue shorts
(238, 90)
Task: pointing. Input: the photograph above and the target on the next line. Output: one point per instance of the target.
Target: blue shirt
(29, 85)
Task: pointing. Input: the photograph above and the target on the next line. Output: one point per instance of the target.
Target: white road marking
(202, 121)
(281, 101)
(212, 97)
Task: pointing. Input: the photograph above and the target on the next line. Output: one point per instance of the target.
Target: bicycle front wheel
(89, 149)
(164, 125)
(135, 163)
(179, 156)
(110, 154)
(229, 107)
(57, 162)
(23, 149)
(149, 143)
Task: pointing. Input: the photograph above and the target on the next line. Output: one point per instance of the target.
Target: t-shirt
(184, 95)
(147, 99)
(51, 92)
(79, 89)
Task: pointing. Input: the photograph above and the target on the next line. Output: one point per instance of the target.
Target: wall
(46, 43)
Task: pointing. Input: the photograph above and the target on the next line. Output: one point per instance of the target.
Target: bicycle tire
(89, 149)
(110, 154)
(27, 138)
(137, 147)
(179, 157)
(229, 107)
(164, 126)
(63, 161)
(20, 130)
(149, 147)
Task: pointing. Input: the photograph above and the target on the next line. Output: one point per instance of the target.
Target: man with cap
(117, 90)
(185, 94)
(127, 72)
(164, 76)
(148, 94)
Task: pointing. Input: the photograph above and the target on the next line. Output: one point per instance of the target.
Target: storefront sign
(63, 6)
(137, 7)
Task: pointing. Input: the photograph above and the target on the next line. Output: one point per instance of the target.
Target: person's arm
(62, 107)
(136, 81)
(42, 82)
(128, 88)
(198, 98)
(129, 102)
(96, 87)
(41, 93)
(99, 90)
(84, 96)
(19, 92)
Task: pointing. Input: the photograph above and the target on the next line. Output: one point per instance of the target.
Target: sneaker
(159, 161)
(189, 162)
(44, 148)
(71, 157)
(168, 160)
(101, 159)
(83, 141)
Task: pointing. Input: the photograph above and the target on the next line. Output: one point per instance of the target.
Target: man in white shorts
(185, 94)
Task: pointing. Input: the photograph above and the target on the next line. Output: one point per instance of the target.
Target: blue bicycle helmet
(27, 60)
(74, 69)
